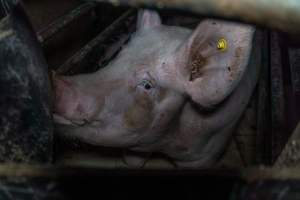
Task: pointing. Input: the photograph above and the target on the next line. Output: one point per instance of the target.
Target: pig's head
(137, 98)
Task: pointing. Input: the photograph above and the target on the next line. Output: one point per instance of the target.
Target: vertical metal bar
(290, 73)
(290, 101)
(263, 150)
(278, 108)
(294, 57)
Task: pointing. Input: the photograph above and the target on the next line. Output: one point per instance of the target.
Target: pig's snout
(72, 103)
(65, 98)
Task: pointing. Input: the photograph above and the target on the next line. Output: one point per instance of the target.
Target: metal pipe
(283, 15)
(76, 62)
(64, 21)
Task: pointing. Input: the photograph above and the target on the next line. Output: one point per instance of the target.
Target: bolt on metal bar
(64, 21)
(283, 15)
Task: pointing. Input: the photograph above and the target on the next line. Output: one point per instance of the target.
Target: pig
(170, 90)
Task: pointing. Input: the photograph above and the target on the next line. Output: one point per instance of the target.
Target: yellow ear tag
(222, 44)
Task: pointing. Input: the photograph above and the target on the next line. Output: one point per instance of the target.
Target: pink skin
(145, 100)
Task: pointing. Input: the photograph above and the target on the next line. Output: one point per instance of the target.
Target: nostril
(65, 97)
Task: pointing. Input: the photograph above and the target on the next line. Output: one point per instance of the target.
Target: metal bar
(93, 160)
(263, 173)
(113, 50)
(75, 62)
(294, 58)
(56, 171)
(279, 134)
(64, 21)
(278, 14)
(263, 150)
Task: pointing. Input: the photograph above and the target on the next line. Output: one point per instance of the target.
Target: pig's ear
(213, 60)
(148, 19)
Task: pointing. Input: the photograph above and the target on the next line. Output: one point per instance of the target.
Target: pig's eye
(147, 85)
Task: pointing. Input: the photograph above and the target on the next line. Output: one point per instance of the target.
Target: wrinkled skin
(170, 90)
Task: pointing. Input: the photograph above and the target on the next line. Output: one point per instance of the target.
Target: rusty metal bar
(75, 62)
(278, 14)
(64, 21)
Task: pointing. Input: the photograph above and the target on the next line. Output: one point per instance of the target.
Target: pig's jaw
(65, 95)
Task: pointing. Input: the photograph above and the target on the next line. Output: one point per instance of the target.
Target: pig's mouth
(58, 119)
